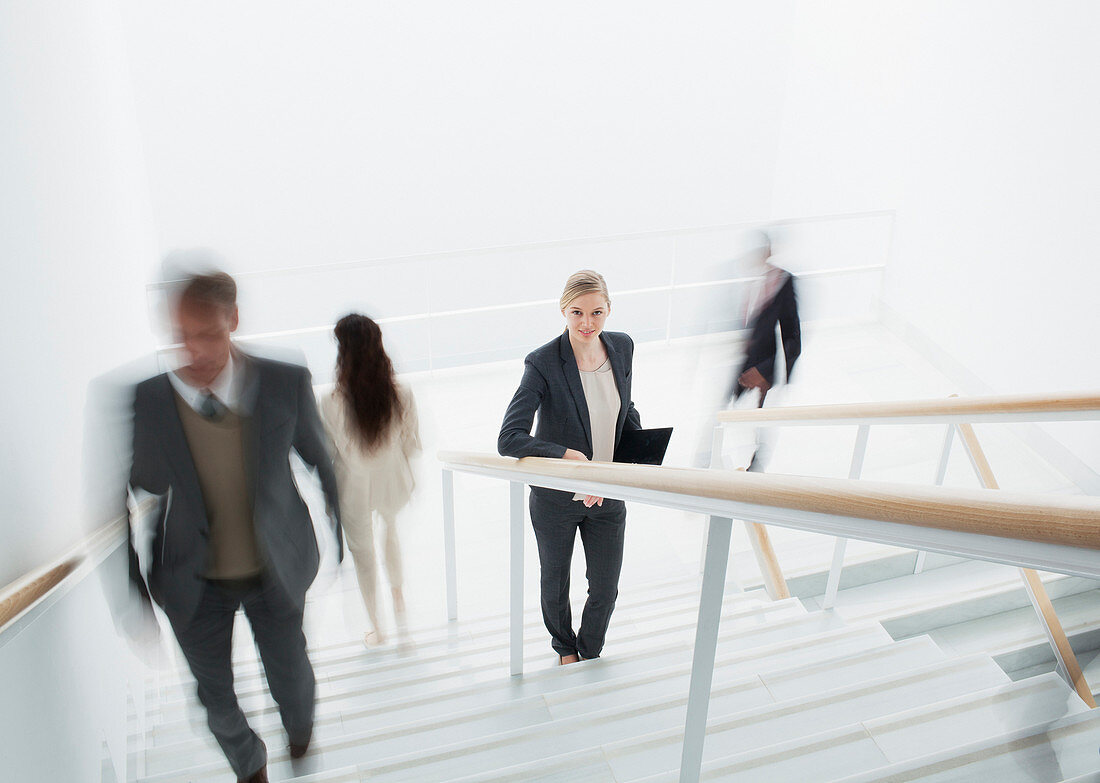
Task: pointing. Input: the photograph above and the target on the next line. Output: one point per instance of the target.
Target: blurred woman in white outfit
(373, 425)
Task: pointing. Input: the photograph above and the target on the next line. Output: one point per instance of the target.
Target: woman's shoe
(567, 659)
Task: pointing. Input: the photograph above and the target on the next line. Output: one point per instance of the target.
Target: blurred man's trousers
(206, 641)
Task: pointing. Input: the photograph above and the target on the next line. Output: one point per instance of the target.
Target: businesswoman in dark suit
(579, 383)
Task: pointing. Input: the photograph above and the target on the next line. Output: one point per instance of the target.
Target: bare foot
(373, 639)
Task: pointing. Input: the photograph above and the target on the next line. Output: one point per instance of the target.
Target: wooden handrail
(1072, 405)
(18, 596)
(1067, 520)
(19, 599)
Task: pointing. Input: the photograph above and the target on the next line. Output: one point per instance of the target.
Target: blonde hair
(584, 282)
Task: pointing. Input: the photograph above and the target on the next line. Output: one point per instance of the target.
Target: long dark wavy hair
(364, 375)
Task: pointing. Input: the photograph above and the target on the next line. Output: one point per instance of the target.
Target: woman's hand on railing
(589, 500)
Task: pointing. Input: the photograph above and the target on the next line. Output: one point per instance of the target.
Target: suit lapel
(618, 369)
(176, 448)
(250, 382)
(573, 381)
(250, 403)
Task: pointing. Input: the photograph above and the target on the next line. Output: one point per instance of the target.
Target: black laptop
(643, 447)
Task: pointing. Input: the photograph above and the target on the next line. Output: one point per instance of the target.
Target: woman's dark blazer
(551, 385)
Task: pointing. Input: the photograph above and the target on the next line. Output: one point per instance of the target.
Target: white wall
(63, 673)
(302, 138)
(287, 134)
(978, 123)
(75, 242)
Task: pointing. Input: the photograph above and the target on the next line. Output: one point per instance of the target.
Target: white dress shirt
(602, 395)
(226, 388)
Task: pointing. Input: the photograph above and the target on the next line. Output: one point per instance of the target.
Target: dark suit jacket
(281, 414)
(761, 350)
(551, 385)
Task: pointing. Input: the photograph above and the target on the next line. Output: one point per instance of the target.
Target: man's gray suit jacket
(280, 414)
(551, 385)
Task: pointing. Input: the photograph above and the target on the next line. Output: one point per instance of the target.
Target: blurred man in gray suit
(212, 440)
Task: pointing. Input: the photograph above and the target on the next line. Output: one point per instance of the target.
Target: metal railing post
(717, 439)
(706, 641)
(941, 476)
(516, 569)
(449, 544)
(945, 455)
(855, 470)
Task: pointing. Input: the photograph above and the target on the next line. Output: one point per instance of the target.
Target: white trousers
(359, 531)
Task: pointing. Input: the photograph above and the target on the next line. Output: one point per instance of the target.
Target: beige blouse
(602, 396)
(381, 478)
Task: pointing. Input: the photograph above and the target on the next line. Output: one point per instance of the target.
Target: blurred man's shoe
(297, 751)
(259, 776)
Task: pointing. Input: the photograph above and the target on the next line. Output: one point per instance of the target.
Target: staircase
(882, 688)
(965, 606)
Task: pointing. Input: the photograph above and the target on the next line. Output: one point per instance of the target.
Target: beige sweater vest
(217, 449)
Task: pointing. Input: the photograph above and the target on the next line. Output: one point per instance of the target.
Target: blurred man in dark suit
(212, 441)
(772, 302)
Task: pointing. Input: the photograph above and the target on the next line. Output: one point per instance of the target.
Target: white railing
(460, 307)
(1060, 534)
(953, 411)
(958, 413)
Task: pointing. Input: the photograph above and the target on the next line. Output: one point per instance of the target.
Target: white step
(1090, 668)
(775, 675)
(866, 751)
(442, 645)
(919, 603)
(865, 563)
(974, 718)
(383, 704)
(342, 749)
(728, 735)
(474, 664)
(1016, 638)
(794, 668)
(800, 681)
(670, 596)
(579, 766)
(1063, 749)
(798, 755)
(814, 759)
(401, 708)
(612, 727)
